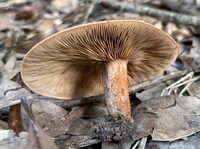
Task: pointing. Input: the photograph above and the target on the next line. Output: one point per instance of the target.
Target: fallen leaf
(167, 118)
(191, 142)
(152, 92)
(194, 89)
(37, 139)
(11, 92)
(28, 44)
(15, 119)
(159, 25)
(61, 126)
(10, 64)
(46, 112)
(80, 133)
(11, 68)
(35, 38)
(6, 24)
(45, 25)
(65, 6)
(170, 28)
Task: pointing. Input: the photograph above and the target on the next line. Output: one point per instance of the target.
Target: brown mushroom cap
(72, 63)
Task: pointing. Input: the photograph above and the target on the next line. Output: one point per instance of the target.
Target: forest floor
(166, 109)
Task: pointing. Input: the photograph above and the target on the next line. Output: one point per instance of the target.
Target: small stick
(186, 87)
(189, 75)
(151, 83)
(100, 98)
(136, 144)
(143, 143)
(186, 80)
(183, 83)
(154, 12)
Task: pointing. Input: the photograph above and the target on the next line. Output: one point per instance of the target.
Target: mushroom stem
(116, 89)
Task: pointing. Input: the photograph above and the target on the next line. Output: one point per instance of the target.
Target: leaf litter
(166, 113)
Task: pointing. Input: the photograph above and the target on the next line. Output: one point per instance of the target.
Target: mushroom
(90, 59)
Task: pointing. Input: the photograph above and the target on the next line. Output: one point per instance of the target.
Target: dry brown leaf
(46, 112)
(159, 25)
(185, 32)
(45, 25)
(6, 24)
(35, 38)
(151, 93)
(194, 89)
(80, 134)
(28, 44)
(86, 131)
(15, 119)
(37, 139)
(10, 93)
(167, 118)
(191, 142)
(9, 65)
(11, 68)
(10, 39)
(191, 54)
(75, 131)
(83, 130)
(187, 61)
(61, 126)
(170, 28)
(177, 32)
(65, 6)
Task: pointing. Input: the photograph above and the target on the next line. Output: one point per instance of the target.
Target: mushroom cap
(72, 63)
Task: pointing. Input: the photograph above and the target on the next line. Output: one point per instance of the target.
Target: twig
(143, 143)
(151, 83)
(154, 12)
(189, 75)
(133, 89)
(186, 80)
(179, 6)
